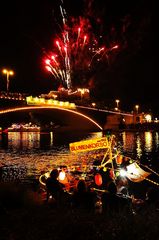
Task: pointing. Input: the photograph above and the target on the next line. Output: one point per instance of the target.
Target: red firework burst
(76, 50)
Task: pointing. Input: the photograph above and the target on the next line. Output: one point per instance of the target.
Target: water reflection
(25, 155)
(128, 141)
(156, 139)
(23, 140)
(148, 141)
(138, 146)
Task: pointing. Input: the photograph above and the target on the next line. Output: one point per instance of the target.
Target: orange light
(98, 179)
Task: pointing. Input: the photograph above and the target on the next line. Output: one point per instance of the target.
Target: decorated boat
(101, 163)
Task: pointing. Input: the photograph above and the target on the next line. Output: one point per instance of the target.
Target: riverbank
(24, 215)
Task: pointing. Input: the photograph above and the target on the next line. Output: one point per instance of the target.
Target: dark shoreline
(24, 215)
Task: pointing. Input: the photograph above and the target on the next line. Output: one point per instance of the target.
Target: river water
(24, 155)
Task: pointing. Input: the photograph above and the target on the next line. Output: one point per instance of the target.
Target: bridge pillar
(117, 121)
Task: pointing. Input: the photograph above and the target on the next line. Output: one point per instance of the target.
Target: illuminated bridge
(63, 116)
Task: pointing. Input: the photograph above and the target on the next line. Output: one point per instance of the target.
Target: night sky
(28, 29)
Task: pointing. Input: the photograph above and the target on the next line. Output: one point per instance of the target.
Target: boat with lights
(27, 127)
(98, 170)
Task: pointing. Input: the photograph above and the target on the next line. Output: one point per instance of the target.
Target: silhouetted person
(152, 196)
(83, 198)
(112, 203)
(150, 202)
(54, 187)
(1, 171)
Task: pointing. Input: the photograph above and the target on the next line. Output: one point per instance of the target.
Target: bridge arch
(68, 118)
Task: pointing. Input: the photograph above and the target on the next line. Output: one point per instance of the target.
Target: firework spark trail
(66, 43)
(76, 51)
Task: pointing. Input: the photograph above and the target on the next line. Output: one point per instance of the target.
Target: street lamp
(117, 103)
(137, 108)
(93, 104)
(8, 73)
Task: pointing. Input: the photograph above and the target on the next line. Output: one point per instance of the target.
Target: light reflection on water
(27, 154)
(143, 146)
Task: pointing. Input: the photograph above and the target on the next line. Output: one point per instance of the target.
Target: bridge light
(50, 101)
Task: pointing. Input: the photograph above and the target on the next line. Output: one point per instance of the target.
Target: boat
(27, 127)
(110, 166)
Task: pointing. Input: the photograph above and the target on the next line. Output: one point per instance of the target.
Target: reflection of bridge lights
(138, 146)
(148, 141)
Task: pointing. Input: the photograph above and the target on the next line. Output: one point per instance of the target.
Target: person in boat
(152, 196)
(83, 198)
(1, 171)
(151, 201)
(54, 188)
(122, 186)
(112, 202)
(66, 179)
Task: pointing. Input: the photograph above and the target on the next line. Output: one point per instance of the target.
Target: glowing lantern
(111, 174)
(98, 179)
(119, 159)
(62, 176)
(117, 174)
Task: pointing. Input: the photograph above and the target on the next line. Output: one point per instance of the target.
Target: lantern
(119, 159)
(62, 175)
(111, 174)
(98, 179)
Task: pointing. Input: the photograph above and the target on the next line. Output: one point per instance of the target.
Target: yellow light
(137, 108)
(117, 103)
(72, 105)
(66, 104)
(11, 72)
(55, 102)
(61, 103)
(42, 100)
(4, 71)
(148, 117)
(62, 175)
(50, 101)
